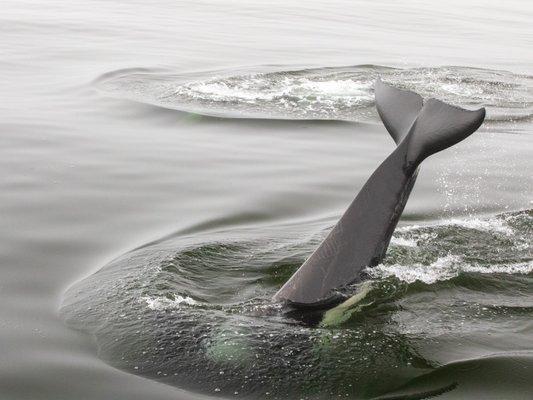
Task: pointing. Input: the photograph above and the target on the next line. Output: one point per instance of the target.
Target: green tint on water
(195, 312)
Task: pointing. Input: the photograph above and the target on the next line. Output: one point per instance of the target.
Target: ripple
(341, 93)
(195, 310)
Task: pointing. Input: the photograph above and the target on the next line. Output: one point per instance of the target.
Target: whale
(362, 235)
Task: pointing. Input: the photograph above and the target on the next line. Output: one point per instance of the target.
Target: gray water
(223, 139)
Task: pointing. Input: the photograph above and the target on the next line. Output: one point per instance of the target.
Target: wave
(340, 93)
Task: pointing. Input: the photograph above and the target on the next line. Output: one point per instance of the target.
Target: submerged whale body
(362, 235)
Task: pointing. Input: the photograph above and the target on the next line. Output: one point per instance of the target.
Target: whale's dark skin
(362, 235)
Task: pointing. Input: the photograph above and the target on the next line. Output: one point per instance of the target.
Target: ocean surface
(166, 166)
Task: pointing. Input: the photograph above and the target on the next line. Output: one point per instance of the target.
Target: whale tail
(361, 236)
(429, 127)
(397, 109)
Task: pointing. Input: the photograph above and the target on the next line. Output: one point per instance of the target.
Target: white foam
(163, 303)
(408, 228)
(250, 89)
(462, 90)
(489, 225)
(444, 268)
(339, 88)
(411, 241)
(220, 91)
(516, 268)
(399, 241)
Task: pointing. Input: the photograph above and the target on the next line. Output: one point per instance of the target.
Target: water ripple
(195, 311)
(340, 93)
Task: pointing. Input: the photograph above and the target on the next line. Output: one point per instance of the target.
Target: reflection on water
(195, 310)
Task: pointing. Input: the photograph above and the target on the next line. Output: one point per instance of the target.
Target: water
(195, 310)
(342, 93)
(238, 132)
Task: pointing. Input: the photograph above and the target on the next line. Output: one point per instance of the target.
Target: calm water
(221, 140)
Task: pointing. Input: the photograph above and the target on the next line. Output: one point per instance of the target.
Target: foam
(252, 89)
(400, 241)
(163, 303)
(444, 268)
(342, 93)
(488, 225)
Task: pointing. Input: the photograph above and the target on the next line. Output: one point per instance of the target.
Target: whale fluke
(362, 235)
(439, 126)
(397, 109)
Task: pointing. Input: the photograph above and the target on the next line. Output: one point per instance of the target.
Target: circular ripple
(195, 311)
(343, 93)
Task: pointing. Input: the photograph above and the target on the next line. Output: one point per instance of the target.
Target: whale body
(361, 237)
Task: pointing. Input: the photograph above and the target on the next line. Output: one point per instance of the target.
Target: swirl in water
(342, 93)
(195, 311)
